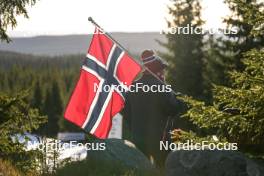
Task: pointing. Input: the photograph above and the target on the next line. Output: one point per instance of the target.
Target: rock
(122, 152)
(210, 163)
(119, 158)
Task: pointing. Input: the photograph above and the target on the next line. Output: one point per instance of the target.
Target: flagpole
(107, 34)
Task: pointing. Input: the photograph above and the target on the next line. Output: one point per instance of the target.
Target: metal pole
(142, 65)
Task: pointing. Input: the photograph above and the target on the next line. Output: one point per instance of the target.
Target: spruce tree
(244, 32)
(217, 61)
(56, 99)
(236, 114)
(37, 97)
(17, 117)
(53, 109)
(9, 10)
(244, 18)
(185, 56)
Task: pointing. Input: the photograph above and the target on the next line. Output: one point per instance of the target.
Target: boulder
(123, 152)
(210, 163)
(118, 157)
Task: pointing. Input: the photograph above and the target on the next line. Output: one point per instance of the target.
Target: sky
(60, 17)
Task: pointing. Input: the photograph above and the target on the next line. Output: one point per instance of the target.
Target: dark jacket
(146, 115)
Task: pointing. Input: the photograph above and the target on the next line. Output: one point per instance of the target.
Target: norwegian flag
(91, 106)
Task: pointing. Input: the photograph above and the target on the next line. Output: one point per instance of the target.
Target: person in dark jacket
(147, 113)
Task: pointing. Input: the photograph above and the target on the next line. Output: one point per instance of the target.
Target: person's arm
(174, 105)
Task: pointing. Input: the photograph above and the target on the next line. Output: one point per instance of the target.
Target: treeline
(48, 81)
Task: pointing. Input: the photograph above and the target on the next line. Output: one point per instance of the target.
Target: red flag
(106, 73)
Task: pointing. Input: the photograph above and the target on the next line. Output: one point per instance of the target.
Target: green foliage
(247, 19)
(217, 61)
(37, 101)
(16, 117)
(182, 136)
(185, 56)
(9, 10)
(234, 70)
(224, 53)
(237, 112)
(53, 108)
(50, 79)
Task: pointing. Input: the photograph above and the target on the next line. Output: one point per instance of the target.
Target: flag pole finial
(90, 19)
(94, 23)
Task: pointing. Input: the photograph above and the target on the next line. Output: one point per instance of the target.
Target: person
(147, 113)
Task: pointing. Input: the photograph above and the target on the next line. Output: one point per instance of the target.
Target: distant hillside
(10, 59)
(78, 44)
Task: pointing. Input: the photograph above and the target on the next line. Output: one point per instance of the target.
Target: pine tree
(53, 109)
(37, 97)
(245, 17)
(185, 56)
(56, 99)
(217, 62)
(16, 117)
(8, 12)
(224, 53)
(237, 112)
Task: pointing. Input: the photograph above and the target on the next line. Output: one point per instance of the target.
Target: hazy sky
(57, 17)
